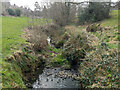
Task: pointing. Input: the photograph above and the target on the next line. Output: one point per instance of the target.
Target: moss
(55, 50)
(59, 60)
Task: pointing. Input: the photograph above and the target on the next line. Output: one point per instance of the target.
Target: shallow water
(50, 79)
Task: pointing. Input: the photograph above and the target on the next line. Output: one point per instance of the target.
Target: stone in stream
(48, 74)
(51, 79)
(58, 81)
(47, 79)
(55, 76)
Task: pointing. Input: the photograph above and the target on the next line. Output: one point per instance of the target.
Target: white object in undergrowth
(48, 39)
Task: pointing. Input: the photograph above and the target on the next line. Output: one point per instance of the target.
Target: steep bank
(25, 67)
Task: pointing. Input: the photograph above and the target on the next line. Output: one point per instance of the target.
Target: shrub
(62, 39)
(37, 38)
(96, 11)
(75, 49)
(11, 12)
(17, 12)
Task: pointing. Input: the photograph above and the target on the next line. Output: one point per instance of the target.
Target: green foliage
(75, 49)
(18, 12)
(96, 11)
(12, 37)
(118, 38)
(114, 46)
(59, 60)
(54, 49)
(105, 65)
(11, 12)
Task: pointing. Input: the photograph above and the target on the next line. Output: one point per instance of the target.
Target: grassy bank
(12, 33)
(12, 39)
(100, 68)
(110, 36)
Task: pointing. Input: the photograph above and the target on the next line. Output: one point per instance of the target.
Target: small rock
(57, 81)
(47, 79)
(55, 76)
(48, 74)
(51, 79)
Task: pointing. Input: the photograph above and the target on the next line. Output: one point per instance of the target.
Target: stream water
(56, 77)
(51, 78)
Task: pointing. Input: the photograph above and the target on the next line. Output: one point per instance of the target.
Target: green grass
(12, 33)
(112, 21)
(11, 40)
(10, 77)
(12, 30)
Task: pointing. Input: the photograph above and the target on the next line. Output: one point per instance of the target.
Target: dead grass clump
(51, 30)
(39, 40)
(38, 35)
(94, 28)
